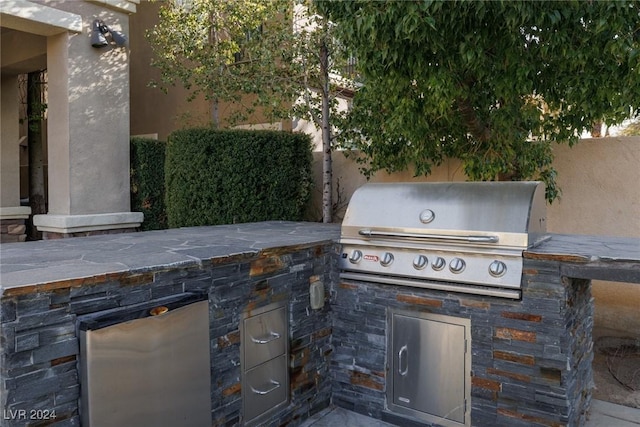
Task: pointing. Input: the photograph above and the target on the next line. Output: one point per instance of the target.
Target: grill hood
(494, 214)
(457, 237)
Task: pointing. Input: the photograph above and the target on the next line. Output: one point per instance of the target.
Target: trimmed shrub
(234, 176)
(147, 182)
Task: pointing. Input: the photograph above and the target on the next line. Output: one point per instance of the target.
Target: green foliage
(147, 182)
(224, 177)
(225, 50)
(492, 83)
(271, 60)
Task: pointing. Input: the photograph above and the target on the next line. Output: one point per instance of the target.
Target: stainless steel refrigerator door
(430, 368)
(150, 372)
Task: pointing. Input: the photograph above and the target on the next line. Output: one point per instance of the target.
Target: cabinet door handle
(272, 336)
(404, 350)
(275, 385)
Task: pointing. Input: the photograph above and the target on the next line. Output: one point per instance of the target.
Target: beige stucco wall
(9, 154)
(92, 126)
(600, 181)
(87, 108)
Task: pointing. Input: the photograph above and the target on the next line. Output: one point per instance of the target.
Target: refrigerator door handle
(275, 384)
(404, 349)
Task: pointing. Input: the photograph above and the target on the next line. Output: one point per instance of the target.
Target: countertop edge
(79, 261)
(580, 255)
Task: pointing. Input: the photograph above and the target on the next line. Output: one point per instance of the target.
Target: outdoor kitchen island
(530, 358)
(47, 286)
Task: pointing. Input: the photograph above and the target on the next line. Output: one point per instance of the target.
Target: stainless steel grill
(462, 237)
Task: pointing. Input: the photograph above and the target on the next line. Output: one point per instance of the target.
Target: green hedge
(147, 182)
(233, 176)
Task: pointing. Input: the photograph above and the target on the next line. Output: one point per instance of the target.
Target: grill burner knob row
(420, 262)
(497, 268)
(438, 264)
(386, 259)
(457, 265)
(355, 256)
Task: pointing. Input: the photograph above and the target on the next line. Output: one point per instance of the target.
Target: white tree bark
(327, 173)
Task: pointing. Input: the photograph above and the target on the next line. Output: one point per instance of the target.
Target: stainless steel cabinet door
(429, 367)
(149, 372)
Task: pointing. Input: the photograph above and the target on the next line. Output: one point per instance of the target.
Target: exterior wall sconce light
(99, 32)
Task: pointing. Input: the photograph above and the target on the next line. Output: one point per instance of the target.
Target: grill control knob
(426, 216)
(497, 268)
(438, 263)
(355, 256)
(457, 265)
(386, 259)
(420, 262)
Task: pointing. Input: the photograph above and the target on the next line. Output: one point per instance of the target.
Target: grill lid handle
(446, 237)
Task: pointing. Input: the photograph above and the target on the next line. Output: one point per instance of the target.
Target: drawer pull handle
(404, 349)
(266, 339)
(275, 385)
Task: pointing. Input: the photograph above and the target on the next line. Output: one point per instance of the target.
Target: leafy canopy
(260, 55)
(491, 83)
(224, 50)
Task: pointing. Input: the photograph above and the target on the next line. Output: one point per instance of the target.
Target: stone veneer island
(531, 358)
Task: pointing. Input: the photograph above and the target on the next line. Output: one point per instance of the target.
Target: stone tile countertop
(592, 257)
(32, 263)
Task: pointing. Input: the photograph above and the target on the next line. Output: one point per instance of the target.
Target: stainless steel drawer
(265, 337)
(266, 387)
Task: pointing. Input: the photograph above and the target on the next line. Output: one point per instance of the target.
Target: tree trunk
(327, 173)
(475, 126)
(35, 113)
(215, 114)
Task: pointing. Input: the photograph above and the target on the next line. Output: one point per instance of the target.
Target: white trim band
(66, 224)
(18, 212)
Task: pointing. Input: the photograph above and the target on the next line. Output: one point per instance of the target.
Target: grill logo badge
(374, 258)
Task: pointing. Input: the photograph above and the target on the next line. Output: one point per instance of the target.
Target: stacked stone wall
(530, 362)
(39, 375)
(12, 230)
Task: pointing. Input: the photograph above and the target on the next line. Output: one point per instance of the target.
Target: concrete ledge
(37, 18)
(66, 224)
(610, 414)
(18, 212)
